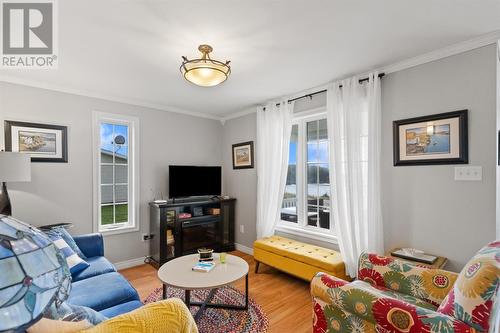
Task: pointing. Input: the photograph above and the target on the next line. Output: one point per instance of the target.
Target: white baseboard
(244, 249)
(129, 263)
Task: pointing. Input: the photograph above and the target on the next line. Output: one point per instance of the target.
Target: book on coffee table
(203, 267)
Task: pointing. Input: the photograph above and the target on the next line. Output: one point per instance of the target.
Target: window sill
(118, 230)
(307, 233)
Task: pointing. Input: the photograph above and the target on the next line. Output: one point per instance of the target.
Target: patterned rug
(221, 320)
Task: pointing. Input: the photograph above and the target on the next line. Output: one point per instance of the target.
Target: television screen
(187, 181)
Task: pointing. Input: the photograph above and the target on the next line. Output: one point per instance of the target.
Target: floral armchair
(395, 296)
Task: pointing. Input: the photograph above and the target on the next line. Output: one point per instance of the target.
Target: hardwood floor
(285, 299)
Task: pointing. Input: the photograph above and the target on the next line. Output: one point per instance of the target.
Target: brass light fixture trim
(205, 71)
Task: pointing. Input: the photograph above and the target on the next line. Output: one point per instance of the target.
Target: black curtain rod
(324, 90)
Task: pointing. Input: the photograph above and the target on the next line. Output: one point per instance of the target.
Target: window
(306, 202)
(318, 182)
(115, 172)
(289, 206)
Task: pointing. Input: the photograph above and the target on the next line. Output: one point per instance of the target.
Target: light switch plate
(469, 173)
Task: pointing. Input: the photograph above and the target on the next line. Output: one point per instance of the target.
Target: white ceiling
(131, 50)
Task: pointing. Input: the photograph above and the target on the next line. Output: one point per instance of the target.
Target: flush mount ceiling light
(205, 72)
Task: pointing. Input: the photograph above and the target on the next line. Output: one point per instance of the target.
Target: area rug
(221, 320)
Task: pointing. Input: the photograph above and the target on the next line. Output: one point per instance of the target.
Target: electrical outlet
(469, 173)
(242, 228)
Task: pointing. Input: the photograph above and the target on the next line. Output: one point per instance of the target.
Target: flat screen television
(188, 181)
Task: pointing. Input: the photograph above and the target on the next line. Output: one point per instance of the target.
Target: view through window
(114, 171)
(306, 202)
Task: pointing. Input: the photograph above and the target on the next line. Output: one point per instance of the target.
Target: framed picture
(243, 155)
(44, 143)
(434, 139)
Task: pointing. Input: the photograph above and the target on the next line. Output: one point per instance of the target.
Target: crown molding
(109, 98)
(471, 44)
(468, 45)
(447, 51)
(238, 114)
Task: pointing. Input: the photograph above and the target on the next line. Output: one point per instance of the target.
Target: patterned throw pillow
(70, 312)
(75, 263)
(68, 239)
(475, 292)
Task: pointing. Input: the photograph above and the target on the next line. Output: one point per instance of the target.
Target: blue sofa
(100, 286)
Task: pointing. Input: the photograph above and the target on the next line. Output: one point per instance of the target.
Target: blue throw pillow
(69, 239)
(70, 312)
(75, 263)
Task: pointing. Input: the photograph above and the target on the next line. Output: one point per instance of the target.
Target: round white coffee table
(178, 273)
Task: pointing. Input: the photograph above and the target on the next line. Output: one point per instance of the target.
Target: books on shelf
(170, 216)
(213, 211)
(203, 267)
(170, 237)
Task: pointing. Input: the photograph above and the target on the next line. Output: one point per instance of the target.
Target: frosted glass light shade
(15, 167)
(205, 72)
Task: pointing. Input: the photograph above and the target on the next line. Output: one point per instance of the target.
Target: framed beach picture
(243, 155)
(43, 142)
(434, 139)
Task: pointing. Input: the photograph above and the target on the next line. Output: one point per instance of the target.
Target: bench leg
(257, 267)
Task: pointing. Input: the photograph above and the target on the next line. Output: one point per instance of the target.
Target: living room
(329, 159)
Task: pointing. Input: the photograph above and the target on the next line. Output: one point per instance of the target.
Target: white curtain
(354, 125)
(274, 126)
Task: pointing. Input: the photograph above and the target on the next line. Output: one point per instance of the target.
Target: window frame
(133, 172)
(301, 228)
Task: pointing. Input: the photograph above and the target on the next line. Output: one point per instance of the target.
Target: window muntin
(307, 199)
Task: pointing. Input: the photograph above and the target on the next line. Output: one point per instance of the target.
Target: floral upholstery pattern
(360, 307)
(475, 293)
(395, 296)
(430, 285)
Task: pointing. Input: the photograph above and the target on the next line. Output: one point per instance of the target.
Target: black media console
(211, 225)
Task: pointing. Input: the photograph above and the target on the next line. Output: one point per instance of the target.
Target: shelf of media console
(170, 203)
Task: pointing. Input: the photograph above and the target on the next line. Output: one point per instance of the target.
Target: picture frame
(432, 140)
(43, 142)
(243, 155)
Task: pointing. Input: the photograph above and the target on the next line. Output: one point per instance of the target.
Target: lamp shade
(15, 167)
(33, 275)
(205, 71)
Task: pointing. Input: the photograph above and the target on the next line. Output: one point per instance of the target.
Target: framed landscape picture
(434, 139)
(44, 143)
(243, 155)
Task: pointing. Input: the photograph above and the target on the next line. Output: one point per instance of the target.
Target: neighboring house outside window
(115, 172)
(306, 203)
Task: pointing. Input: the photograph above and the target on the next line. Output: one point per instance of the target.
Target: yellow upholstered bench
(299, 259)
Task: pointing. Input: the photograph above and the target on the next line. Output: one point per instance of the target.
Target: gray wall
(241, 183)
(498, 143)
(62, 192)
(423, 207)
